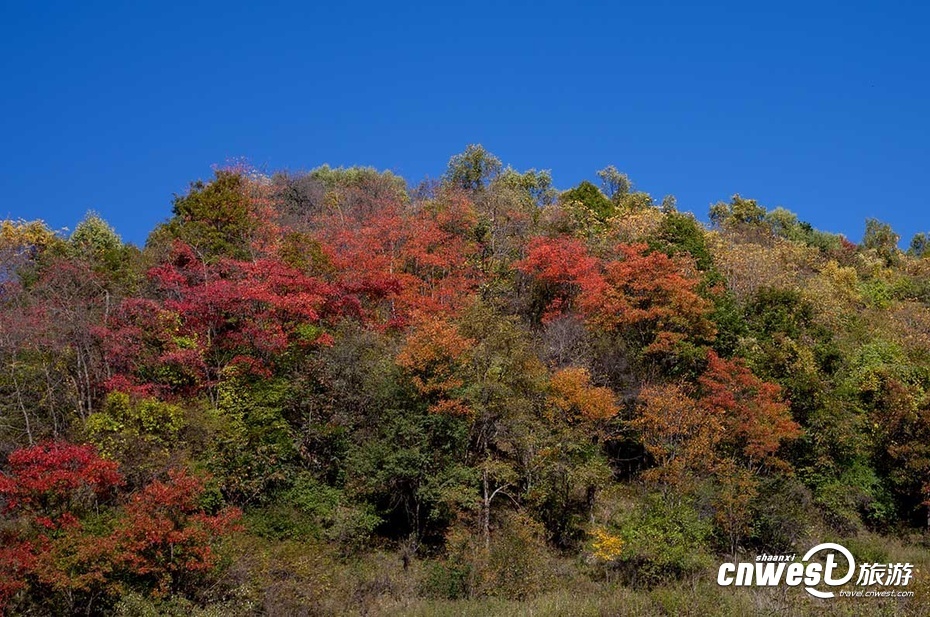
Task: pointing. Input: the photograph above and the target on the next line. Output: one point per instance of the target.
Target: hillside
(336, 393)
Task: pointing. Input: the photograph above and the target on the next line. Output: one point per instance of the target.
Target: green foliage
(779, 311)
(616, 184)
(877, 293)
(310, 509)
(138, 605)
(727, 315)
(254, 450)
(856, 493)
(681, 233)
(873, 360)
(570, 471)
(140, 433)
(410, 466)
(536, 185)
(473, 169)
(480, 393)
(785, 224)
(881, 240)
(94, 241)
(783, 514)
(213, 217)
(349, 525)
(146, 418)
(739, 213)
(447, 580)
(664, 539)
(346, 177)
(920, 245)
(592, 198)
(512, 565)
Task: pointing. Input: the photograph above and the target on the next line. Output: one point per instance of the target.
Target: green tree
(592, 198)
(473, 169)
(215, 218)
(738, 213)
(616, 184)
(920, 244)
(881, 239)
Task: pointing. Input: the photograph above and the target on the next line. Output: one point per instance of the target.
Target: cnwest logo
(838, 568)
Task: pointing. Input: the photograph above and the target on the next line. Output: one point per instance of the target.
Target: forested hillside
(338, 393)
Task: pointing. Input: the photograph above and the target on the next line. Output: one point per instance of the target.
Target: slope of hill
(332, 393)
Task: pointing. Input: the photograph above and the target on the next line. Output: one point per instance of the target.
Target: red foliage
(756, 418)
(17, 558)
(46, 489)
(166, 535)
(403, 265)
(162, 534)
(562, 268)
(49, 480)
(648, 296)
(211, 315)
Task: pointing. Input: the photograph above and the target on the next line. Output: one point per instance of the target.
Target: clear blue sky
(823, 108)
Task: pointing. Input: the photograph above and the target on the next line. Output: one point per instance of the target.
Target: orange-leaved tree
(649, 297)
(576, 397)
(434, 357)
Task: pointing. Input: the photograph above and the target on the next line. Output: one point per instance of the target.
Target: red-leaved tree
(157, 542)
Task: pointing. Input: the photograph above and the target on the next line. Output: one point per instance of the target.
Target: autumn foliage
(54, 480)
(651, 297)
(161, 535)
(434, 355)
(645, 295)
(303, 378)
(561, 268)
(574, 395)
(755, 418)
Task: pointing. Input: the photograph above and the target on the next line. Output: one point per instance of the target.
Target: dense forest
(338, 393)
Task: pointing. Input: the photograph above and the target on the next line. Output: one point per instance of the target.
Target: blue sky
(818, 107)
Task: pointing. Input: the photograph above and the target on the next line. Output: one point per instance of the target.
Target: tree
(22, 244)
(648, 297)
(535, 185)
(680, 233)
(52, 369)
(473, 169)
(755, 418)
(434, 356)
(616, 184)
(592, 198)
(210, 316)
(920, 244)
(785, 224)
(353, 193)
(165, 537)
(139, 432)
(59, 549)
(48, 489)
(54, 482)
(215, 218)
(400, 264)
(574, 396)
(680, 434)
(739, 213)
(560, 269)
(882, 240)
(96, 240)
